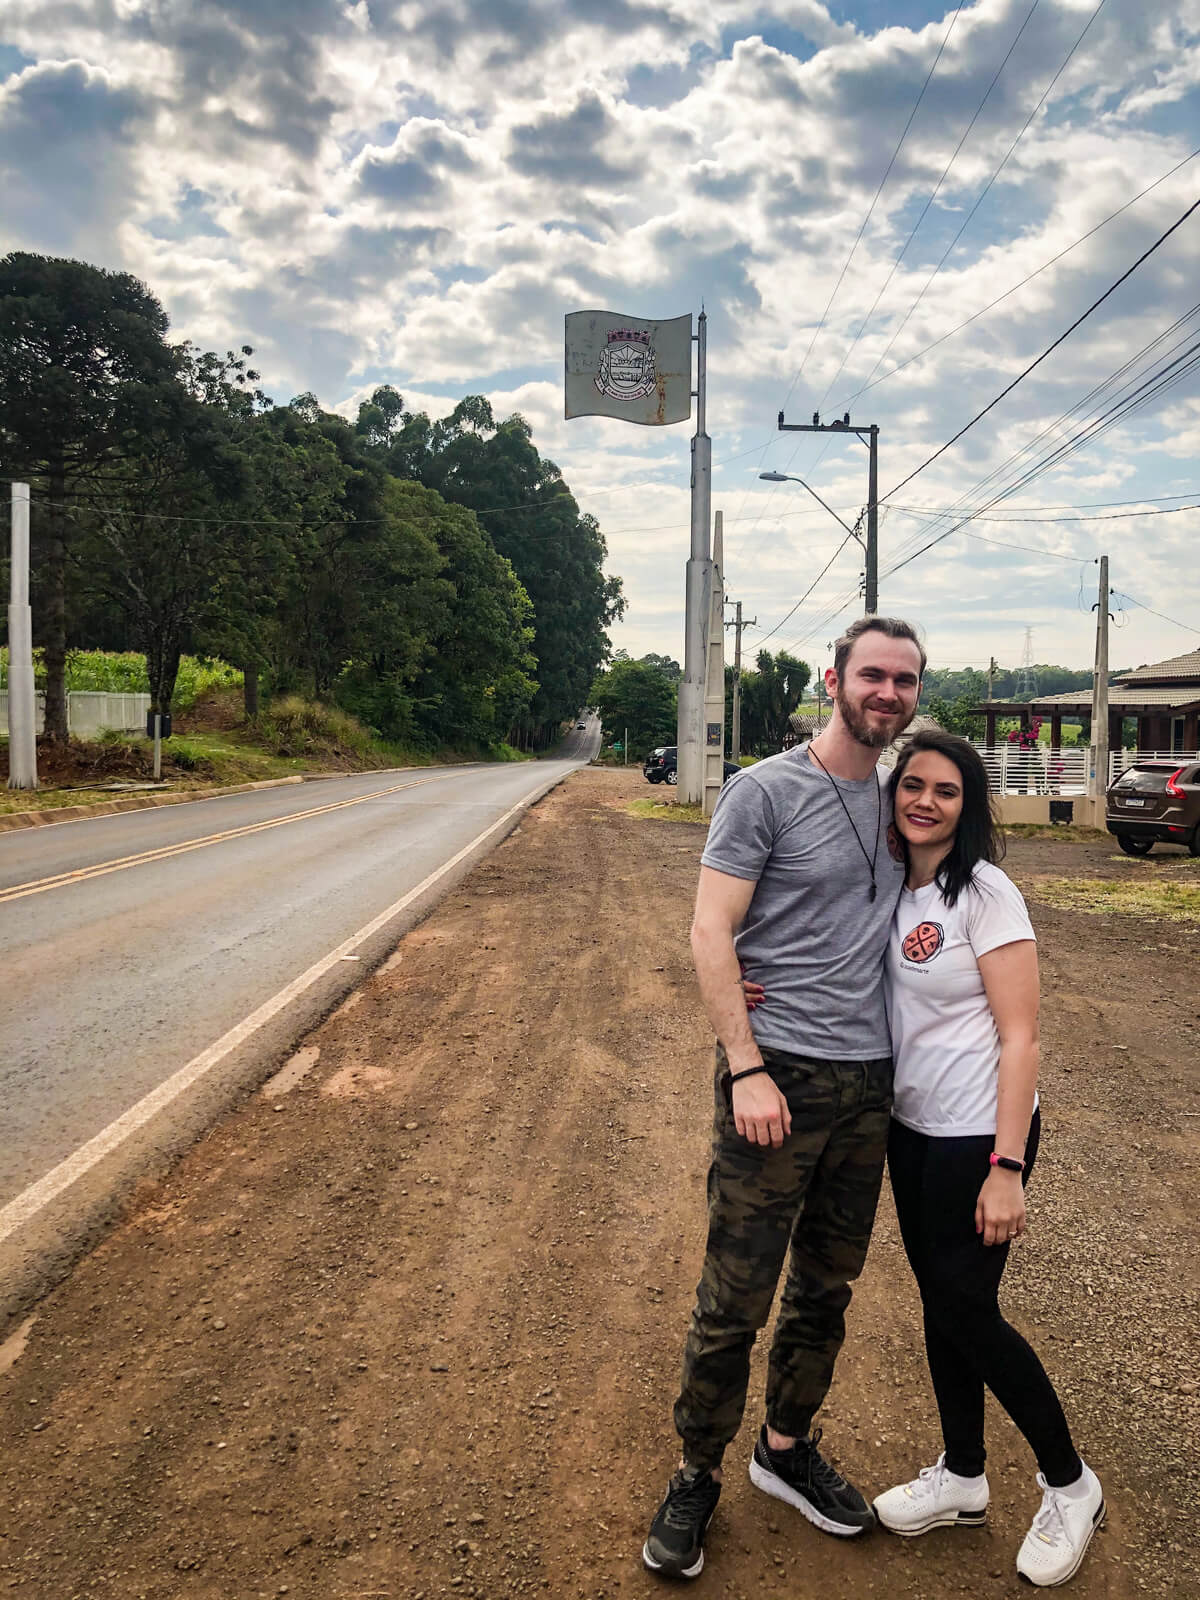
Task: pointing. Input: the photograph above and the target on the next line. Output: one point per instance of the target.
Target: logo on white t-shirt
(923, 943)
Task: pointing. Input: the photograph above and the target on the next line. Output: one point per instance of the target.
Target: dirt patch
(422, 1338)
(86, 764)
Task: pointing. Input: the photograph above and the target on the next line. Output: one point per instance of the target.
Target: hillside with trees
(435, 578)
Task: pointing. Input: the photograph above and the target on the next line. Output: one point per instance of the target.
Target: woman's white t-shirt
(944, 1040)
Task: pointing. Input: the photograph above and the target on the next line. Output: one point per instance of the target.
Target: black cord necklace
(869, 859)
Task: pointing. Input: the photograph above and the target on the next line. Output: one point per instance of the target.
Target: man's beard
(861, 730)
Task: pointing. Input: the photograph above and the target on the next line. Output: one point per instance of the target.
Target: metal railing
(1059, 769)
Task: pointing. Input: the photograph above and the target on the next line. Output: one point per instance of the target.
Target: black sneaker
(803, 1478)
(674, 1546)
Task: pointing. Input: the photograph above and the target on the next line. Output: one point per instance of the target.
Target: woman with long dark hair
(962, 991)
(962, 986)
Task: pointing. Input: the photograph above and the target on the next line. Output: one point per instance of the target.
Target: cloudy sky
(416, 191)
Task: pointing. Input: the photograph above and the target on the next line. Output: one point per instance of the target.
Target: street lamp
(787, 477)
(869, 553)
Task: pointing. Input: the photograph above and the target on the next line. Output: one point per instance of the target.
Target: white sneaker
(1061, 1532)
(936, 1499)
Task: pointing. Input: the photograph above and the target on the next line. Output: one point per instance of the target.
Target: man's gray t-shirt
(813, 937)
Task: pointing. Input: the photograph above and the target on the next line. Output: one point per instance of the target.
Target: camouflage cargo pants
(812, 1201)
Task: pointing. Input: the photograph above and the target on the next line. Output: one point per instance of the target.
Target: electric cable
(936, 190)
(1008, 389)
(980, 199)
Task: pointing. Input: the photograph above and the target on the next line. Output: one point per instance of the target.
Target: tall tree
(83, 365)
(769, 696)
(638, 696)
(532, 518)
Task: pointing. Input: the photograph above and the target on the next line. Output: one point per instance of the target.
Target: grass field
(1177, 902)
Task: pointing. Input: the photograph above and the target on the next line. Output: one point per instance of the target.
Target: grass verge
(665, 811)
(1066, 832)
(1176, 902)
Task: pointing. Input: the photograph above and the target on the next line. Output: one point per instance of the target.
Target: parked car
(662, 766)
(1155, 800)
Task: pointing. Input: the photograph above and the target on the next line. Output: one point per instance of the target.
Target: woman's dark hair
(978, 837)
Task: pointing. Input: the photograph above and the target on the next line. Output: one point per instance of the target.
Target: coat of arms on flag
(628, 368)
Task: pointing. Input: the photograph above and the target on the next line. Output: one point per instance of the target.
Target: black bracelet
(749, 1073)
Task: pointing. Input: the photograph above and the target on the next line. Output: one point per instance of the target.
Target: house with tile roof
(1163, 698)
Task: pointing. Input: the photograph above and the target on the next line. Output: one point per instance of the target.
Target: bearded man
(799, 881)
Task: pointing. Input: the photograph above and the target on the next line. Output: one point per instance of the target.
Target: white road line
(20, 1211)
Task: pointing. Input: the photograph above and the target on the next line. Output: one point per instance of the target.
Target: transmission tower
(1027, 684)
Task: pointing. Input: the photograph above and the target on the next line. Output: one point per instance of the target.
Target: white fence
(89, 711)
(1058, 770)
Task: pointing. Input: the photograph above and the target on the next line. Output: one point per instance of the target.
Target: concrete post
(22, 712)
(1098, 751)
(690, 730)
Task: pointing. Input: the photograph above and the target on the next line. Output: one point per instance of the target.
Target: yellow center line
(83, 874)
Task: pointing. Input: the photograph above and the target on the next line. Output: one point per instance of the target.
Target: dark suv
(662, 766)
(1156, 800)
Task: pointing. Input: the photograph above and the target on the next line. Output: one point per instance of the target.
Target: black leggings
(936, 1184)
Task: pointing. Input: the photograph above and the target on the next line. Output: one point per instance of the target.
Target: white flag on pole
(629, 368)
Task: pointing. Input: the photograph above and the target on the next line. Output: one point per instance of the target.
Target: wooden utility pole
(735, 748)
(871, 548)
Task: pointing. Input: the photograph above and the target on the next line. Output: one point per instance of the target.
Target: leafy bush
(293, 726)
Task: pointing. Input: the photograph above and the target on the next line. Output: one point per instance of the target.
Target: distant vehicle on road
(662, 766)
(581, 724)
(1155, 801)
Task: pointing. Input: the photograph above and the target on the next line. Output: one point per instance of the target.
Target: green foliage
(298, 727)
(769, 696)
(955, 716)
(640, 696)
(124, 672)
(435, 579)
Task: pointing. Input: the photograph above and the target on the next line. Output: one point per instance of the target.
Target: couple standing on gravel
(871, 976)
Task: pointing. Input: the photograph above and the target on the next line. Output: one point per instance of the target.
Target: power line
(1045, 266)
(1128, 273)
(1119, 516)
(1068, 505)
(1050, 348)
(1110, 383)
(808, 591)
(863, 228)
(934, 192)
(983, 192)
(1186, 626)
(1116, 413)
(874, 202)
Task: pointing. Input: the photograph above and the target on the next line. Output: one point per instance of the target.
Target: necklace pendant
(872, 888)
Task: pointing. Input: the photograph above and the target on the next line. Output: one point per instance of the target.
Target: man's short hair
(893, 627)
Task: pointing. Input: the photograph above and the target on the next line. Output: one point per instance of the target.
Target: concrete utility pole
(690, 733)
(1098, 751)
(871, 432)
(714, 674)
(735, 748)
(22, 704)
(992, 670)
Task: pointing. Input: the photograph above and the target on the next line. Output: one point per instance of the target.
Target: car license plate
(1133, 802)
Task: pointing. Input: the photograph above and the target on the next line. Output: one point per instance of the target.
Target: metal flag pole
(698, 588)
(22, 740)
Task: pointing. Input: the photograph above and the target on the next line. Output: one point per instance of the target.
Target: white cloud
(416, 193)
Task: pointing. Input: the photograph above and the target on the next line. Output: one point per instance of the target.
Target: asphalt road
(129, 944)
